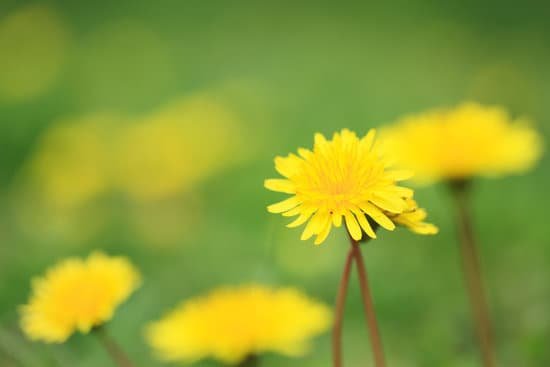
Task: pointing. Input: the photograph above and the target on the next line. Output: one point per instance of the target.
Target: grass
(288, 72)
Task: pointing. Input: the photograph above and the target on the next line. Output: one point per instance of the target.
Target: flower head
(456, 144)
(230, 324)
(343, 178)
(76, 295)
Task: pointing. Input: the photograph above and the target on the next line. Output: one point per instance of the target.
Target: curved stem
(472, 274)
(370, 314)
(339, 311)
(113, 349)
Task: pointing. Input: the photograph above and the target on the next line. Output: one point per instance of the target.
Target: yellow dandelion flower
(343, 178)
(77, 295)
(231, 324)
(413, 218)
(459, 143)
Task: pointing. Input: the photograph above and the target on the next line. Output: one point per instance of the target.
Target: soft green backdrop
(287, 71)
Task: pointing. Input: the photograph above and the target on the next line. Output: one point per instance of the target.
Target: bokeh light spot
(173, 149)
(33, 45)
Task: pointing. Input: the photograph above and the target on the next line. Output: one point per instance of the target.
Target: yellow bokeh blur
(153, 161)
(170, 151)
(72, 162)
(33, 45)
(57, 195)
(462, 142)
(232, 323)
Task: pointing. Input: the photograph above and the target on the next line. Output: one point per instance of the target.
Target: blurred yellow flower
(71, 164)
(413, 218)
(77, 295)
(344, 177)
(459, 143)
(33, 45)
(231, 324)
(59, 192)
(182, 144)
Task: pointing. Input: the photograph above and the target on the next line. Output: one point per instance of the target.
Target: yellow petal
(364, 223)
(319, 139)
(305, 153)
(417, 215)
(337, 219)
(300, 220)
(400, 175)
(421, 228)
(428, 228)
(404, 192)
(294, 211)
(324, 233)
(289, 165)
(284, 205)
(378, 216)
(314, 226)
(368, 140)
(353, 226)
(388, 203)
(280, 185)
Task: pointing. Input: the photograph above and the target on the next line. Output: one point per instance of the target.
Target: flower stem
(370, 315)
(339, 311)
(113, 349)
(250, 361)
(472, 274)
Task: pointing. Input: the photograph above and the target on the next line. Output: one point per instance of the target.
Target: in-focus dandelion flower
(231, 324)
(341, 179)
(77, 295)
(459, 143)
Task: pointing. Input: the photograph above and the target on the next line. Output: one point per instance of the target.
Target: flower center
(336, 190)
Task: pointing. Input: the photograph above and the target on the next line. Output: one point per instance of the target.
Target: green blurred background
(254, 80)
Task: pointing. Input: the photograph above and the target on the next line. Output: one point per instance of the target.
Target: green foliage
(289, 70)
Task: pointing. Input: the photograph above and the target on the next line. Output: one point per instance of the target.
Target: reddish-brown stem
(370, 314)
(472, 274)
(113, 349)
(339, 311)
